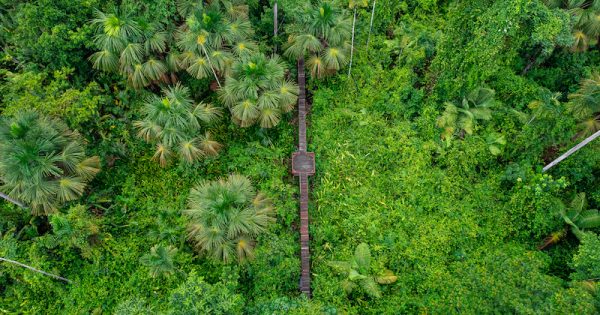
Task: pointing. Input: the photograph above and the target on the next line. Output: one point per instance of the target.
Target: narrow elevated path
(303, 166)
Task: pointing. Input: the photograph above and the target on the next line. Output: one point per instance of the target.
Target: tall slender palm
(175, 125)
(322, 35)
(43, 164)
(463, 117)
(257, 92)
(353, 5)
(584, 104)
(371, 23)
(225, 216)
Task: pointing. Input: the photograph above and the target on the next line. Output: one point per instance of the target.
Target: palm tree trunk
(33, 269)
(275, 22)
(352, 47)
(573, 150)
(14, 201)
(211, 66)
(275, 25)
(371, 25)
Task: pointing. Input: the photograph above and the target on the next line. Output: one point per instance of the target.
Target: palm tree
(257, 92)
(225, 216)
(135, 50)
(209, 34)
(322, 36)
(43, 164)
(585, 105)
(463, 117)
(160, 260)
(175, 125)
(586, 26)
(354, 4)
(359, 273)
(578, 217)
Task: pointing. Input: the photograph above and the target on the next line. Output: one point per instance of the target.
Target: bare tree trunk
(211, 66)
(14, 201)
(352, 47)
(371, 25)
(275, 26)
(33, 269)
(573, 150)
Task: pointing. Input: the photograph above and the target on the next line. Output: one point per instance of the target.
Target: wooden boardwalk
(303, 166)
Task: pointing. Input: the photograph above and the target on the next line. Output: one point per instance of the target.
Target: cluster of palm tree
(359, 273)
(205, 45)
(43, 164)
(584, 104)
(460, 119)
(256, 91)
(586, 25)
(212, 37)
(225, 216)
(175, 124)
(322, 35)
(139, 51)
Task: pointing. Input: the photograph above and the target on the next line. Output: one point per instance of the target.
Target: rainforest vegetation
(145, 156)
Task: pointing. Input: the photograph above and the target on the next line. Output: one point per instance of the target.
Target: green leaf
(362, 257)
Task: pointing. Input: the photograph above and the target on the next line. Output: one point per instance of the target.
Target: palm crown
(212, 36)
(579, 217)
(225, 216)
(323, 36)
(360, 274)
(175, 124)
(585, 105)
(257, 92)
(43, 163)
(462, 118)
(139, 51)
(586, 26)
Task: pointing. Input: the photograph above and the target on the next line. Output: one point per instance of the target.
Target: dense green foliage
(428, 197)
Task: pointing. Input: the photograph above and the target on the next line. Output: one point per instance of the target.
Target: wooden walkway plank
(303, 165)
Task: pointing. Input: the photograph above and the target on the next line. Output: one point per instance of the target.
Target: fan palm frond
(104, 60)
(131, 55)
(160, 260)
(154, 69)
(269, 117)
(246, 111)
